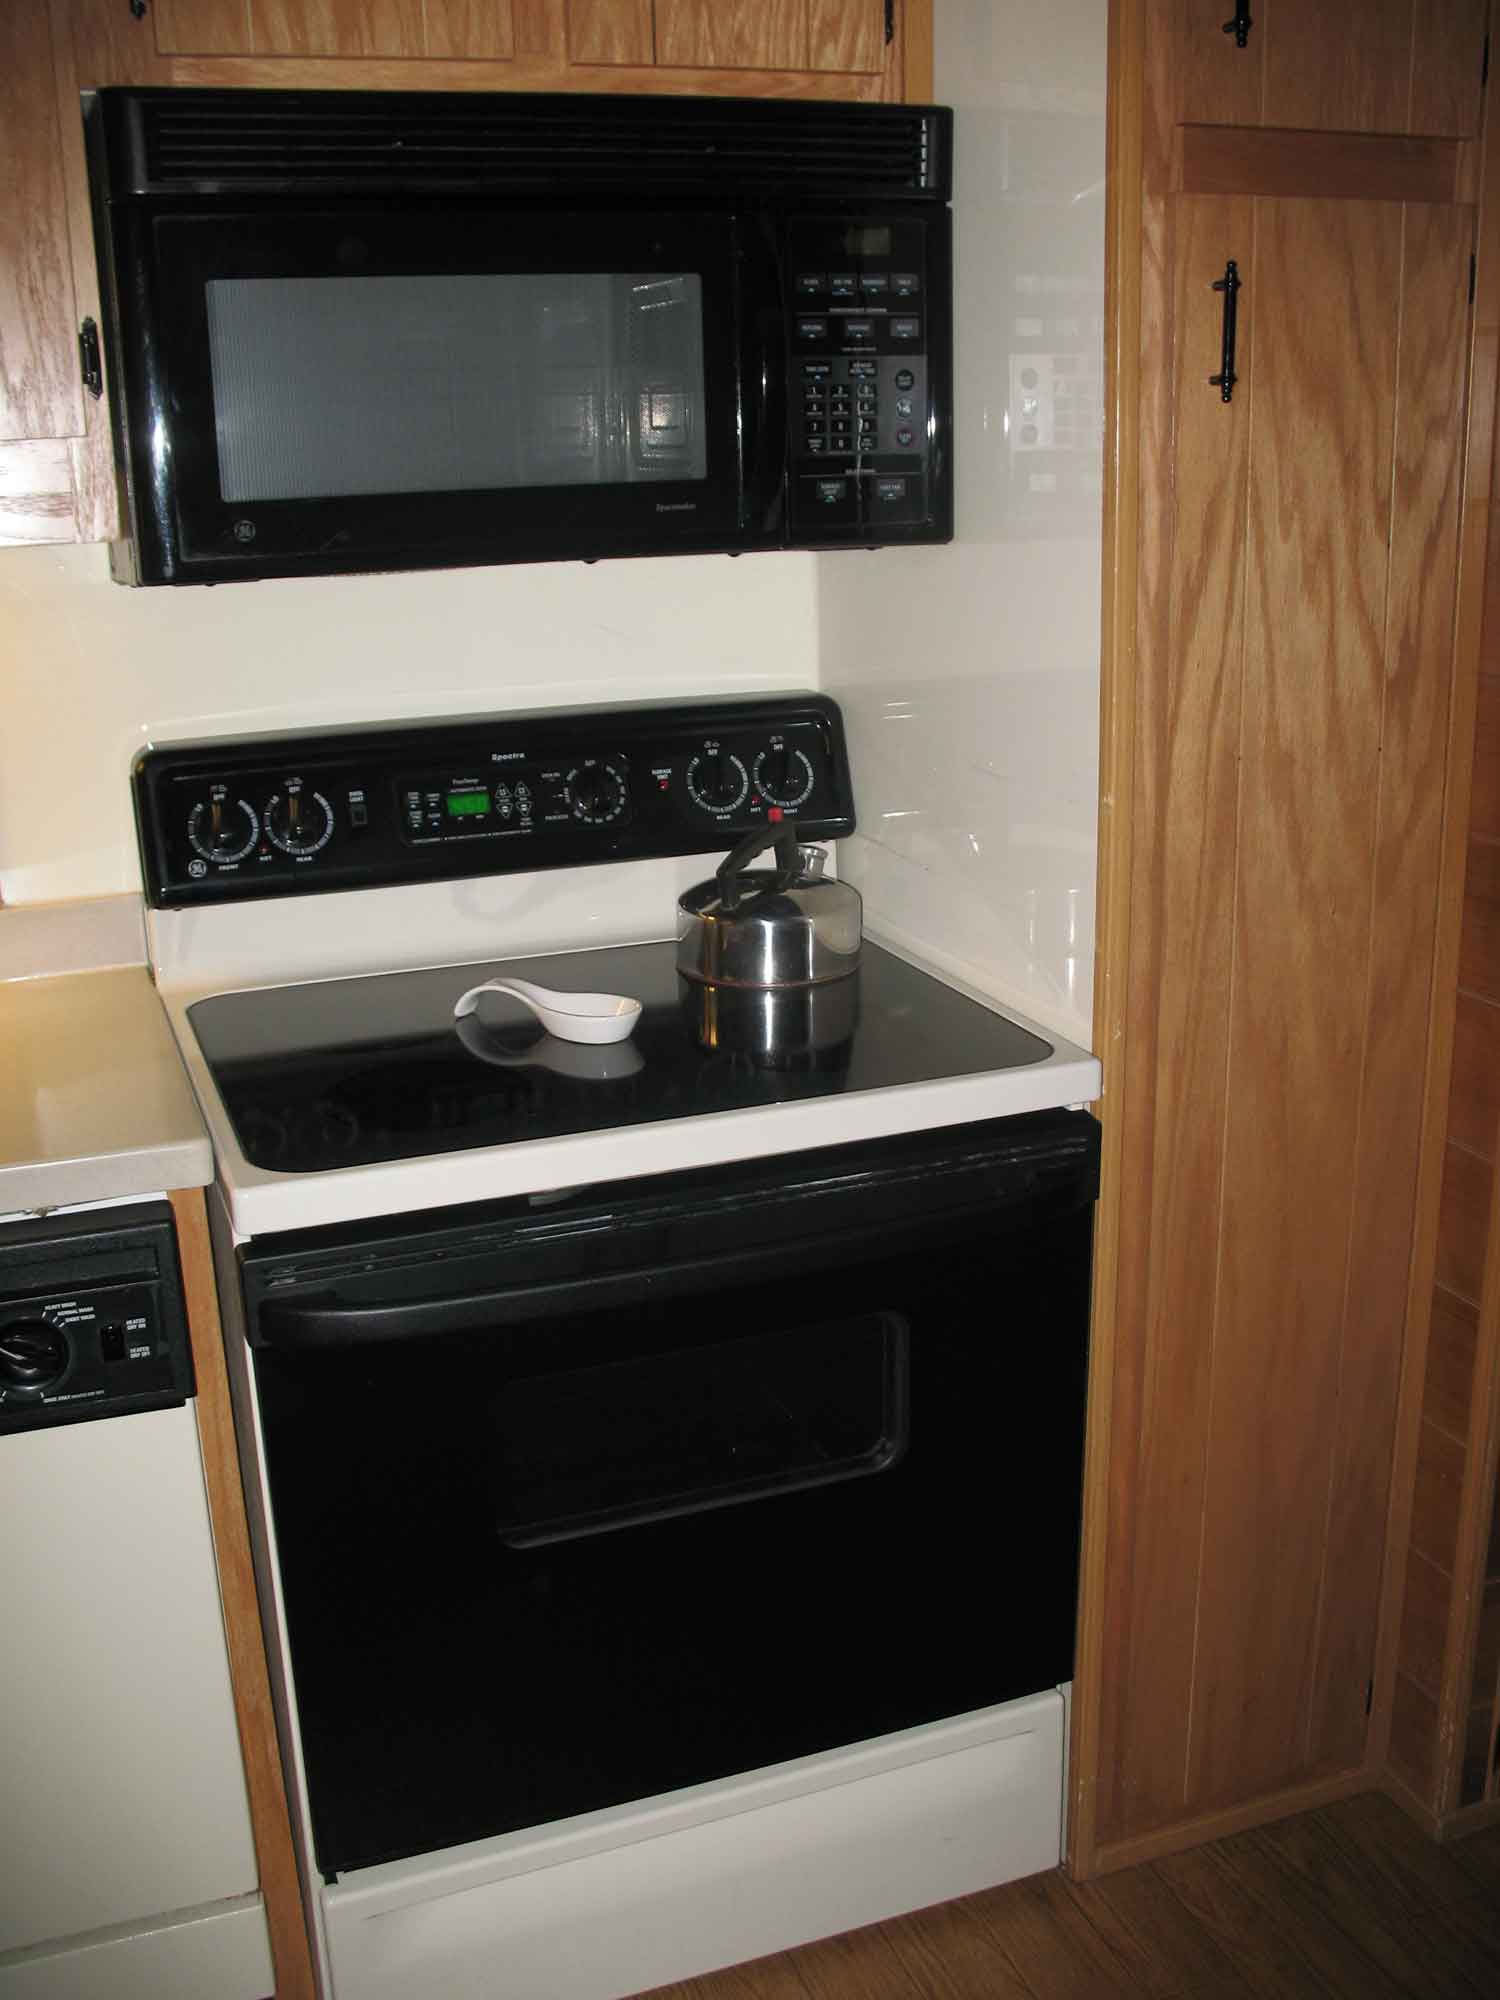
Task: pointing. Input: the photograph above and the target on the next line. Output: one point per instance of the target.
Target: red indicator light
(775, 814)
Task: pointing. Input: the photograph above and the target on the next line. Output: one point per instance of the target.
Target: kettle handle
(789, 863)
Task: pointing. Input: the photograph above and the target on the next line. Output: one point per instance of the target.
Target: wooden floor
(1351, 1900)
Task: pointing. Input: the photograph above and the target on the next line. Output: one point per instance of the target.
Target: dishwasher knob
(33, 1355)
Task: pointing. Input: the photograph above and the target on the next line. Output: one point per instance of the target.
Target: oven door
(370, 386)
(581, 1501)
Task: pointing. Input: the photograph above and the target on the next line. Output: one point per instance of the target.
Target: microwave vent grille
(346, 142)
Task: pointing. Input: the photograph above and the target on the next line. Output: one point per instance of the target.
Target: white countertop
(94, 1102)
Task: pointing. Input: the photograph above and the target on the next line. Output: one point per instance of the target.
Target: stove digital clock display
(462, 804)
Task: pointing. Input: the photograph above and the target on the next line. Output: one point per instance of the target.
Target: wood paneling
(1474, 1100)
(1186, 789)
(471, 29)
(270, 1825)
(1448, 1398)
(203, 27)
(38, 491)
(1347, 166)
(1408, 66)
(610, 31)
(1447, 63)
(337, 28)
(1295, 659)
(1484, 807)
(40, 393)
(1424, 1623)
(846, 35)
(1413, 1735)
(1479, 959)
(1305, 924)
(1440, 1481)
(742, 34)
(1319, 74)
(1406, 858)
(1463, 1223)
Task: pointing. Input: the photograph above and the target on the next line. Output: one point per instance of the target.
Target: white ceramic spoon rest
(572, 1017)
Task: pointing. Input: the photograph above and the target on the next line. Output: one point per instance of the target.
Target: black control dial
(783, 776)
(597, 791)
(297, 820)
(33, 1355)
(717, 780)
(221, 828)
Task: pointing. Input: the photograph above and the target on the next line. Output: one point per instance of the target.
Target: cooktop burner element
(349, 1072)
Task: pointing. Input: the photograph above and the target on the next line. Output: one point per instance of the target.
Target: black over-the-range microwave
(377, 330)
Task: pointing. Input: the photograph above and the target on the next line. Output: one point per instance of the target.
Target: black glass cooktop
(347, 1072)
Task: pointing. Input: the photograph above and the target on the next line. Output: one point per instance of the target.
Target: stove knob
(221, 828)
(597, 792)
(717, 780)
(783, 776)
(33, 1355)
(297, 820)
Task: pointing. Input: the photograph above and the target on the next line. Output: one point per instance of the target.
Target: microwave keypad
(853, 405)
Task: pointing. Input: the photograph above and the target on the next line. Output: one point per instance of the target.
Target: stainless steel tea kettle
(769, 928)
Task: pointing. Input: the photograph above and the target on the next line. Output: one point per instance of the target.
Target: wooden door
(811, 35)
(1392, 66)
(1289, 786)
(479, 29)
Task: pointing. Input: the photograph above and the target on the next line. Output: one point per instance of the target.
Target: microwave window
(423, 384)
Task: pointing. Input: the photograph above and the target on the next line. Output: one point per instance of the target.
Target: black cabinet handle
(1229, 285)
(1240, 26)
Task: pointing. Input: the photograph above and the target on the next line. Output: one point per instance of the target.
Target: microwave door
(366, 389)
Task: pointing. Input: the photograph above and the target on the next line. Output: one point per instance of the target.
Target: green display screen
(462, 803)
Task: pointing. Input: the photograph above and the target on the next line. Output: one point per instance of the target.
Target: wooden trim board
(279, 1885)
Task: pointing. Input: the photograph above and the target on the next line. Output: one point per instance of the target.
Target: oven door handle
(321, 1322)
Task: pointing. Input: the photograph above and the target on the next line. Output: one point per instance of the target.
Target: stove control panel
(482, 795)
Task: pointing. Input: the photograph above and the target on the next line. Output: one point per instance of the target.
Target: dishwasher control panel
(484, 795)
(91, 1317)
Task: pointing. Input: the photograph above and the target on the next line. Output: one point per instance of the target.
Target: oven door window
(536, 394)
(645, 1438)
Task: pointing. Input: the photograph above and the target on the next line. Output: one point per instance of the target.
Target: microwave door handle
(764, 384)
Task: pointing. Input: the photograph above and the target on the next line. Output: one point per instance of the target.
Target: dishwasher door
(127, 1866)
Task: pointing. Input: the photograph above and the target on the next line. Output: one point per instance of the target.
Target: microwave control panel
(868, 340)
(486, 795)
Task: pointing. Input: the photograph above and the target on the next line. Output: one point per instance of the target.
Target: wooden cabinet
(481, 30)
(550, 40)
(56, 473)
(42, 419)
(1396, 66)
(1440, 1691)
(1270, 936)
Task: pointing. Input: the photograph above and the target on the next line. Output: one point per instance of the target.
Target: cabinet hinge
(1473, 274)
(89, 364)
(138, 9)
(890, 22)
(1369, 1696)
(1484, 67)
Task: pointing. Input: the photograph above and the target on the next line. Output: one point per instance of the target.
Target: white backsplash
(969, 676)
(93, 671)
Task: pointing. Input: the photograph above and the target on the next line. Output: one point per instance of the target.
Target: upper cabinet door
(382, 28)
(610, 31)
(828, 35)
(1396, 66)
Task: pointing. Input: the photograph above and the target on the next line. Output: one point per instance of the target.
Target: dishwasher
(127, 1866)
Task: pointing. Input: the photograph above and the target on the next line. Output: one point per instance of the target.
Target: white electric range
(625, 1429)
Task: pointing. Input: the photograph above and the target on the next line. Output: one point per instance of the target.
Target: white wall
(90, 670)
(969, 675)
